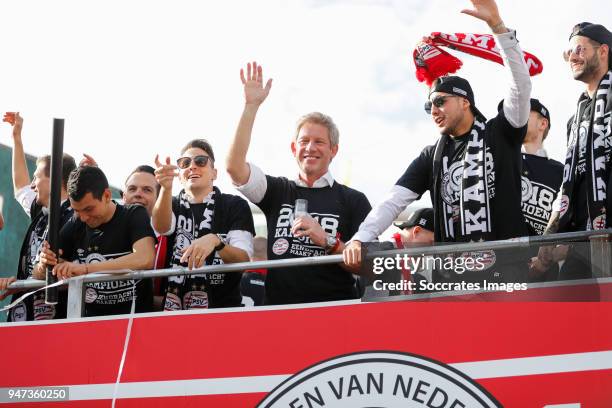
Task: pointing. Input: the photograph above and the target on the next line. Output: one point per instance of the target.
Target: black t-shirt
(540, 184)
(83, 244)
(503, 150)
(229, 213)
(34, 307)
(339, 210)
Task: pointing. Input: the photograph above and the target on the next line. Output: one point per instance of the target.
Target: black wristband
(221, 243)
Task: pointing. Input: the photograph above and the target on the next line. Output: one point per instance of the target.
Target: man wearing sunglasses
(204, 227)
(334, 210)
(464, 170)
(585, 198)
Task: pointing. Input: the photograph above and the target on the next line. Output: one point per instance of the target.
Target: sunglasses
(578, 50)
(200, 161)
(438, 102)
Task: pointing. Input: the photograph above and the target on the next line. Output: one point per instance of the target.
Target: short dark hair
(598, 44)
(200, 144)
(87, 179)
(68, 165)
(547, 127)
(145, 168)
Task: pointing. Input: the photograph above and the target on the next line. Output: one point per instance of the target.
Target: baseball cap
(422, 217)
(595, 32)
(456, 86)
(536, 106)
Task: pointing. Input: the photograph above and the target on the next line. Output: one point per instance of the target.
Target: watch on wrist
(222, 243)
(331, 243)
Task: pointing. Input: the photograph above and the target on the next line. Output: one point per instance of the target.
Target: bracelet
(335, 247)
(497, 27)
(221, 243)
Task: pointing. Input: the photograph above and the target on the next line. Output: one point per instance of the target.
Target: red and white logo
(280, 246)
(599, 222)
(564, 205)
(90, 295)
(380, 379)
(196, 299)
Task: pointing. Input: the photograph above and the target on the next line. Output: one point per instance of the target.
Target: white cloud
(136, 78)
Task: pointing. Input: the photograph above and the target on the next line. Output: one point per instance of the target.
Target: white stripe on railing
(561, 363)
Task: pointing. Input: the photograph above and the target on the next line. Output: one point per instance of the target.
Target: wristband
(221, 243)
(497, 27)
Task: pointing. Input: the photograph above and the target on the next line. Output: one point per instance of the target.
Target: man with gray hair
(334, 210)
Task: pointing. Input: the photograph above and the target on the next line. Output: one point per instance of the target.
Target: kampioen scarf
(475, 213)
(189, 291)
(597, 174)
(433, 62)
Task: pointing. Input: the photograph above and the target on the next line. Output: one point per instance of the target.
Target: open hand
(15, 120)
(254, 91)
(485, 10)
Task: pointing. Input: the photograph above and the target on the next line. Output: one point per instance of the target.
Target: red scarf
(433, 62)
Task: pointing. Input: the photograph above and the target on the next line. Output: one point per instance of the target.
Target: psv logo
(380, 379)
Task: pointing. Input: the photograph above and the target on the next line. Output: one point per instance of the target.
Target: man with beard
(204, 227)
(464, 169)
(34, 198)
(584, 201)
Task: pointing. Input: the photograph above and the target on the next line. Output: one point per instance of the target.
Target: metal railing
(601, 261)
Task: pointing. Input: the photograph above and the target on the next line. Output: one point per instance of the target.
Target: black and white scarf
(598, 141)
(475, 212)
(190, 291)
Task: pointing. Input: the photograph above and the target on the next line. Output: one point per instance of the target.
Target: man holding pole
(33, 195)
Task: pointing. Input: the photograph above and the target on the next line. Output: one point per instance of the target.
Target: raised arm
(162, 211)
(21, 177)
(516, 103)
(254, 94)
